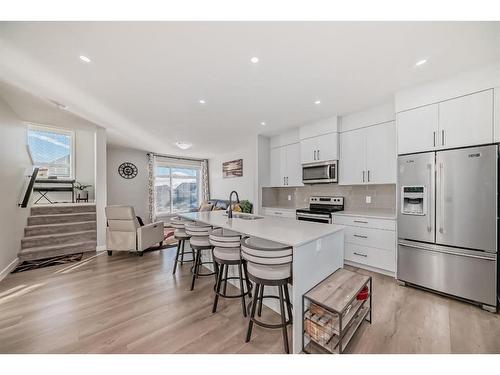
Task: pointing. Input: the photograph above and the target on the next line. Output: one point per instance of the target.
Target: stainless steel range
(320, 209)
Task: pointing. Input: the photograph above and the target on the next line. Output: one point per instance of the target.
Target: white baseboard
(100, 248)
(369, 268)
(8, 269)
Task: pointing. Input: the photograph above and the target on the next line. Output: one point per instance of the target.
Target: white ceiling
(146, 78)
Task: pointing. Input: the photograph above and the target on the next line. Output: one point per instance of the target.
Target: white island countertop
(290, 232)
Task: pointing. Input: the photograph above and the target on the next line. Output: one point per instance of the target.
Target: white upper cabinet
(286, 169)
(467, 120)
(352, 157)
(464, 121)
(418, 129)
(381, 155)
(496, 114)
(368, 155)
(319, 148)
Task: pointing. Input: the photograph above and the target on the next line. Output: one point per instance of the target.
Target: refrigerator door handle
(441, 198)
(429, 209)
(447, 252)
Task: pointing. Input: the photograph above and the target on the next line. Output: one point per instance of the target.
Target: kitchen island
(318, 251)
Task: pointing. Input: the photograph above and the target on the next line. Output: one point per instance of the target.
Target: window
(177, 189)
(53, 149)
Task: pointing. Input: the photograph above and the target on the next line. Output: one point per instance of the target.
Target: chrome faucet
(230, 211)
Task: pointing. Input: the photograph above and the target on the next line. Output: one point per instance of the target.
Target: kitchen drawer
(382, 239)
(279, 213)
(365, 222)
(371, 256)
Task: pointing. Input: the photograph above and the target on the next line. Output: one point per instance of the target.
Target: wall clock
(127, 170)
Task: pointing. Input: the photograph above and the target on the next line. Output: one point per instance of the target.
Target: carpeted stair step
(61, 209)
(57, 239)
(61, 218)
(40, 230)
(52, 251)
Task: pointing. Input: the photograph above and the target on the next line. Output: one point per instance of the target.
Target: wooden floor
(129, 304)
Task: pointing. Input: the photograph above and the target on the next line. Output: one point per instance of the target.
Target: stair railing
(28, 190)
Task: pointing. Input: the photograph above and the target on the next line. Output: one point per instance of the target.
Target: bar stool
(181, 236)
(199, 242)
(226, 253)
(269, 264)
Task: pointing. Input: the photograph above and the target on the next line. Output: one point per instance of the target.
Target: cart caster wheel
(141, 253)
(110, 253)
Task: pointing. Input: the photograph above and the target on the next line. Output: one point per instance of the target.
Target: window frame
(171, 166)
(58, 130)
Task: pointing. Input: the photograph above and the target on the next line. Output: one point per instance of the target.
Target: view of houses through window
(51, 149)
(177, 189)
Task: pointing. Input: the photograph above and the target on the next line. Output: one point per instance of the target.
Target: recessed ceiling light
(254, 60)
(420, 62)
(202, 101)
(263, 123)
(183, 145)
(317, 102)
(85, 59)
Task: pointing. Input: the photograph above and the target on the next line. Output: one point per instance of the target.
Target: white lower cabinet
(369, 242)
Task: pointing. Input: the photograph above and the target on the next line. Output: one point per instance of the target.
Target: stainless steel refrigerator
(448, 222)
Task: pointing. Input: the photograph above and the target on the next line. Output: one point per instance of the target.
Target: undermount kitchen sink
(245, 216)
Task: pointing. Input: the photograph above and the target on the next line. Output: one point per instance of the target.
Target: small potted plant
(82, 193)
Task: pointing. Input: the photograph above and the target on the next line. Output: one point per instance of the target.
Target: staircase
(54, 230)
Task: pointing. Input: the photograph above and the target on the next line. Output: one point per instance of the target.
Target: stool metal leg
(288, 303)
(196, 266)
(259, 313)
(217, 287)
(177, 255)
(252, 313)
(243, 304)
(283, 319)
(225, 279)
(249, 284)
(182, 253)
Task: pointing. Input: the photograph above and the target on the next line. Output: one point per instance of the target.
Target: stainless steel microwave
(320, 173)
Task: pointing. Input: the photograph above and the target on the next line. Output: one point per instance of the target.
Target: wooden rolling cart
(334, 310)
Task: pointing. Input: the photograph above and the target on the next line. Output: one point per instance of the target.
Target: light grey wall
(101, 191)
(15, 166)
(132, 192)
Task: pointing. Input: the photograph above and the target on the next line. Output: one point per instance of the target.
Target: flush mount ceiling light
(263, 123)
(317, 102)
(183, 145)
(202, 101)
(254, 60)
(420, 62)
(85, 59)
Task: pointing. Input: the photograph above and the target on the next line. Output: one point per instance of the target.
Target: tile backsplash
(382, 196)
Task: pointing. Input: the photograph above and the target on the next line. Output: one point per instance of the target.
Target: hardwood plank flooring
(131, 304)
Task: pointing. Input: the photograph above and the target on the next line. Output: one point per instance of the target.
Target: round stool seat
(178, 222)
(227, 254)
(181, 234)
(199, 241)
(261, 244)
(270, 272)
(197, 229)
(225, 238)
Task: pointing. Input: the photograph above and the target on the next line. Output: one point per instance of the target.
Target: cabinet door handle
(360, 236)
(318, 155)
(360, 221)
(363, 176)
(434, 138)
(442, 137)
(361, 254)
(314, 152)
(368, 175)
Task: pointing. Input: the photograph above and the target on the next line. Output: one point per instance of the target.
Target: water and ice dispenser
(413, 200)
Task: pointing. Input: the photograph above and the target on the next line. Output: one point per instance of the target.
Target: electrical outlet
(289, 197)
(368, 199)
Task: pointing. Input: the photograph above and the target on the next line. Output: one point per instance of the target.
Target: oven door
(318, 173)
(315, 218)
